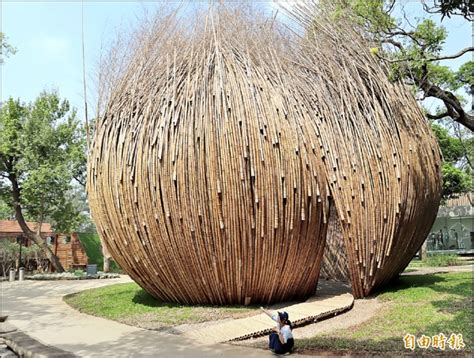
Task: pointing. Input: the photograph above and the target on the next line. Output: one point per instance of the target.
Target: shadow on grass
(404, 282)
(458, 303)
(461, 321)
(448, 295)
(144, 298)
(462, 288)
(431, 281)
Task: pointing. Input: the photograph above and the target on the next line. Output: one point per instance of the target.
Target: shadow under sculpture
(213, 164)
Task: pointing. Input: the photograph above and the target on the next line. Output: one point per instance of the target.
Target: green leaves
(429, 37)
(5, 48)
(42, 148)
(442, 76)
(455, 181)
(10, 123)
(43, 190)
(419, 48)
(412, 52)
(412, 48)
(465, 77)
(6, 211)
(452, 7)
(451, 147)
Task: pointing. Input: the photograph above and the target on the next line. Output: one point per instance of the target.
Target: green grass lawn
(437, 260)
(419, 304)
(128, 303)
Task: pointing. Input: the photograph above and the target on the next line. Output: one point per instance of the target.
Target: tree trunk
(30, 234)
(454, 107)
(106, 254)
(38, 240)
(423, 251)
(106, 264)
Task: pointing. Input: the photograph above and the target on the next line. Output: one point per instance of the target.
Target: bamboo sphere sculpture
(213, 165)
(382, 161)
(200, 178)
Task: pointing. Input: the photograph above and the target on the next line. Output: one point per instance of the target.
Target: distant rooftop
(463, 200)
(12, 228)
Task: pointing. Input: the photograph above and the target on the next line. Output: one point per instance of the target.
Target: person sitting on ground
(281, 340)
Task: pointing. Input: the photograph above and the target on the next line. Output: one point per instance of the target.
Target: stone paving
(36, 308)
(40, 320)
(12, 340)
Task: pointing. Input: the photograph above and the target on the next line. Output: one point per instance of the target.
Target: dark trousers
(275, 345)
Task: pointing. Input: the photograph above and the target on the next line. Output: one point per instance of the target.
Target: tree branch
(457, 132)
(392, 61)
(441, 58)
(393, 42)
(81, 182)
(456, 55)
(402, 32)
(453, 106)
(406, 18)
(437, 116)
(390, 7)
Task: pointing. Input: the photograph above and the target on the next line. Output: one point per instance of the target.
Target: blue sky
(47, 35)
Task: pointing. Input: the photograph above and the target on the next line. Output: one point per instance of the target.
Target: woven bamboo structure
(334, 265)
(213, 165)
(382, 162)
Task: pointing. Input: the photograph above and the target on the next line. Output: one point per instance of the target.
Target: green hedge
(91, 243)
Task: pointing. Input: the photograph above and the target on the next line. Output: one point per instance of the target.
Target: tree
(6, 212)
(8, 255)
(5, 48)
(412, 51)
(42, 150)
(448, 8)
(78, 198)
(457, 168)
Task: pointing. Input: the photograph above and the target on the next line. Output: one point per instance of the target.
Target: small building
(453, 229)
(67, 247)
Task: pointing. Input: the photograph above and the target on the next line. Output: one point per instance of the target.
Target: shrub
(438, 260)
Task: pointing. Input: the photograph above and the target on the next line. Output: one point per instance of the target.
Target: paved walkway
(36, 308)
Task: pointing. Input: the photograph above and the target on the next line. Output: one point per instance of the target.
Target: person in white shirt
(281, 340)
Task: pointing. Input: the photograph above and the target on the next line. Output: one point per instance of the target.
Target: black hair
(288, 322)
(281, 316)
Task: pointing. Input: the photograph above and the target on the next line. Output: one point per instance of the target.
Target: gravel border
(70, 276)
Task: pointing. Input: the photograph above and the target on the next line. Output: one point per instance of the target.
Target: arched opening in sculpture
(334, 265)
